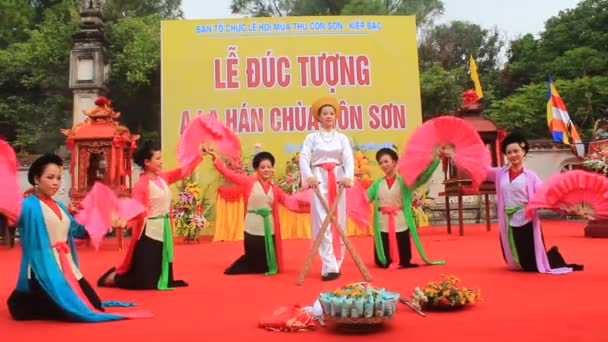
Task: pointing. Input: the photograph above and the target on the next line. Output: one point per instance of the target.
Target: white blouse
(326, 147)
(515, 193)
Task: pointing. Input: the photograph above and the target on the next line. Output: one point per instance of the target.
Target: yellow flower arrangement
(421, 207)
(444, 295)
(290, 181)
(189, 211)
(362, 166)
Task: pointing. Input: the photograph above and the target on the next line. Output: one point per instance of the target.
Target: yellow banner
(261, 75)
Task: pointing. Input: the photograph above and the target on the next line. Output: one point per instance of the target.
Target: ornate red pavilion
(458, 183)
(101, 151)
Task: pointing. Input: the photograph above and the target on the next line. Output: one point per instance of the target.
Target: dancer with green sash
(262, 230)
(148, 263)
(521, 236)
(393, 220)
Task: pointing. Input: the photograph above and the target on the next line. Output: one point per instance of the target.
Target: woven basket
(356, 321)
(443, 307)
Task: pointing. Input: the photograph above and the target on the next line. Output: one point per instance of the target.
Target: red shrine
(101, 151)
(457, 182)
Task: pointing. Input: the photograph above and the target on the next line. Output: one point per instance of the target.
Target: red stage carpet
(516, 307)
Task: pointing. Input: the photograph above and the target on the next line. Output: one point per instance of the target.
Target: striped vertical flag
(560, 125)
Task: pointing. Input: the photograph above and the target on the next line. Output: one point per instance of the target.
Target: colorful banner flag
(560, 125)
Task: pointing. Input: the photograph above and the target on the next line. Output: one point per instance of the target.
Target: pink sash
(393, 247)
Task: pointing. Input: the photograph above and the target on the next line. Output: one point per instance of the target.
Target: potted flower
(444, 295)
(189, 211)
(597, 161)
(290, 181)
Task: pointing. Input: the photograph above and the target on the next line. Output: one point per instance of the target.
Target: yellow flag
(475, 76)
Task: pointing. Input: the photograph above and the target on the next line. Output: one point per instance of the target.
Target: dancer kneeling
(262, 242)
(521, 238)
(149, 260)
(51, 285)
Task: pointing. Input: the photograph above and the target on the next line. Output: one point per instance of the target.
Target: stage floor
(516, 306)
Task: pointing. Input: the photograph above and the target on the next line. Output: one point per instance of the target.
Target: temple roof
(96, 130)
(481, 124)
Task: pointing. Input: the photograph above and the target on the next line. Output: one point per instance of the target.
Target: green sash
(510, 211)
(270, 252)
(406, 196)
(163, 281)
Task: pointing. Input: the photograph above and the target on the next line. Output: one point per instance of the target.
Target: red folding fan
(99, 209)
(10, 201)
(580, 192)
(470, 153)
(207, 129)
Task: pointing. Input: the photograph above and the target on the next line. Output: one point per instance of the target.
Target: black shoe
(102, 280)
(178, 283)
(410, 265)
(577, 267)
(330, 276)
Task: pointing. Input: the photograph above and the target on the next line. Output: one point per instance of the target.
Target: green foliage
(135, 45)
(35, 101)
(114, 10)
(16, 18)
(526, 110)
(35, 40)
(425, 10)
(440, 90)
(451, 45)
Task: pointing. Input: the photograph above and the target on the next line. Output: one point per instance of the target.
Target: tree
(451, 44)
(573, 44)
(120, 9)
(135, 76)
(573, 50)
(424, 10)
(440, 90)
(526, 110)
(16, 18)
(34, 98)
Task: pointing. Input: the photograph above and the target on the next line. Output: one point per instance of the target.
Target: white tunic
(327, 147)
(515, 194)
(258, 199)
(391, 198)
(159, 203)
(58, 230)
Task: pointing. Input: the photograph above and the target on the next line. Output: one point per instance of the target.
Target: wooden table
(460, 188)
